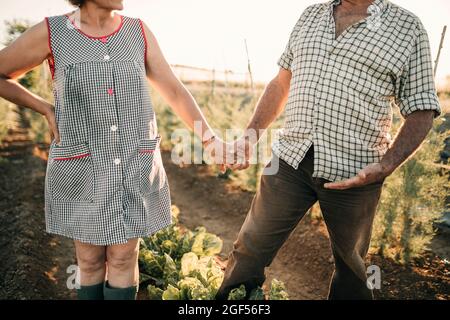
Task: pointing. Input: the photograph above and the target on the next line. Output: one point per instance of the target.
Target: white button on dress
(106, 57)
(113, 127)
(117, 161)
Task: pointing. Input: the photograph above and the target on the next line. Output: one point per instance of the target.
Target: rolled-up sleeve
(416, 88)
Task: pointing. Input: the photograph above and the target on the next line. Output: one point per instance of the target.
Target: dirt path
(33, 263)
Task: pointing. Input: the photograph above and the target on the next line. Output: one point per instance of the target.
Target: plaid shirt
(342, 90)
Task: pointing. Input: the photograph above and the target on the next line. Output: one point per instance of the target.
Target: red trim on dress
(51, 60)
(146, 151)
(100, 37)
(74, 157)
(145, 40)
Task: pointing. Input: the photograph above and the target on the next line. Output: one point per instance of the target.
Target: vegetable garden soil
(33, 263)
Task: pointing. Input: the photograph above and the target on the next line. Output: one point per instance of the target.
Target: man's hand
(370, 174)
(219, 151)
(242, 153)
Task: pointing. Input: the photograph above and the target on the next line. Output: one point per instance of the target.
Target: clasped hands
(234, 155)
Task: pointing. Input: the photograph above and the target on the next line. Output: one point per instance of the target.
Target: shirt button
(117, 161)
(113, 127)
(110, 91)
(107, 57)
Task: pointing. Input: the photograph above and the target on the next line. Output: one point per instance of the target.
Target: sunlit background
(211, 33)
(411, 231)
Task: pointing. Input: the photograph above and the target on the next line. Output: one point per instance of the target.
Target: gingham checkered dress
(343, 89)
(105, 182)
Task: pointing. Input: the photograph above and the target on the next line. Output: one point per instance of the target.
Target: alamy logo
(374, 277)
(73, 281)
(374, 21)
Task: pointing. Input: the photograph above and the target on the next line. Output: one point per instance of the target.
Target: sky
(211, 33)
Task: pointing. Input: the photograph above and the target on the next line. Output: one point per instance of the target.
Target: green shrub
(179, 264)
(413, 199)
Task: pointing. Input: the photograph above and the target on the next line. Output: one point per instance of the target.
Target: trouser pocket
(71, 173)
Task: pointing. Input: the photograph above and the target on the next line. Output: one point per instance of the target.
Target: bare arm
(271, 103)
(268, 108)
(172, 90)
(25, 53)
(407, 141)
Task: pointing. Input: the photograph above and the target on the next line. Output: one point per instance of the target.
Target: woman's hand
(51, 120)
(221, 152)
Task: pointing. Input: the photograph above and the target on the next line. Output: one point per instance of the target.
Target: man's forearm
(408, 140)
(269, 105)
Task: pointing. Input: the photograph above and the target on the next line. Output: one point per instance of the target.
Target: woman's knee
(122, 258)
(91, 263)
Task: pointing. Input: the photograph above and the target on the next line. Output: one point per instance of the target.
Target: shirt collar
(376, 7)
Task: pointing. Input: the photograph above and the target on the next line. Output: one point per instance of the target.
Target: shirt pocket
(71, 173)
(152, 175)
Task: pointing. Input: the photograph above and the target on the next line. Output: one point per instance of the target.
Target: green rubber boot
(111, 293)
(93, 292)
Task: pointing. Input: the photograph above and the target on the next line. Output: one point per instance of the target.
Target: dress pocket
(152, 175)
(71, 173)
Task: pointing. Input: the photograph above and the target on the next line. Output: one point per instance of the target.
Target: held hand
(51, 120)
(219, 151)
(227, 156)
(242, 153)
(370, 174)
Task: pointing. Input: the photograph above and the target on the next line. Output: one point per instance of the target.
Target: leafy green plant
(179, 264)
(278, 291)
(238, 293)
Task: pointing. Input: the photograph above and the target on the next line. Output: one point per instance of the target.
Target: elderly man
(346, 63)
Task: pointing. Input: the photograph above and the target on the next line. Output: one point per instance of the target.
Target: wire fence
(196, 74)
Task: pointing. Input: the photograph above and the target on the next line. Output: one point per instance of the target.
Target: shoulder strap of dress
(133, 29)
(57, 33)
(52, 31)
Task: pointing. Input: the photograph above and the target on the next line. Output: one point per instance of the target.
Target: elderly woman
(105, 184)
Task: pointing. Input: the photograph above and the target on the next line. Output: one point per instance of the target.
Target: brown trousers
(280, 203)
